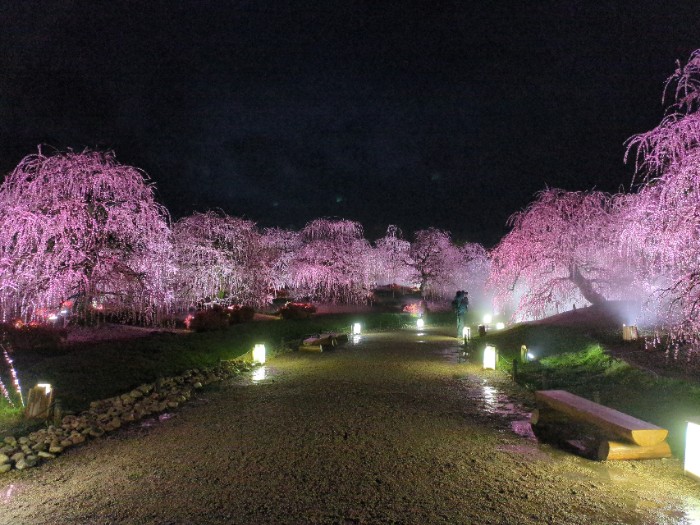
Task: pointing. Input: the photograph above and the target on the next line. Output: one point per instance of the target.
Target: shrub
(30, 336)
(297, 310)
(215, 318)
(240, 314)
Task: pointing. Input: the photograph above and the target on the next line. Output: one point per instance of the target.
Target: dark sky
(446, 114)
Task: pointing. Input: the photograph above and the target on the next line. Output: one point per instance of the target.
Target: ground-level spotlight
(467, 333)
(420, 324)
(490, 358)
(487, 319)
(356, 329)
(500, 326)
(692, 448)
(259, 354)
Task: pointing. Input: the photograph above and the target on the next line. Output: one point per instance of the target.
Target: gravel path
(389, 430)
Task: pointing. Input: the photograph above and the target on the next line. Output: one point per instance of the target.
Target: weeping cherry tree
(434, 261)
(332, 264)
(663, 223)
(560, 251)
(82, 229)
(218, 259)
(390, 259)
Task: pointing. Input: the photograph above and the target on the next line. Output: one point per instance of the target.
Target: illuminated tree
(435, 261)
(332, 264)
(279, 247)
(219, 259)
(560, 251)
(81, 227)
(473, 273)
(678, 134)
(390, 259)
(664, 225)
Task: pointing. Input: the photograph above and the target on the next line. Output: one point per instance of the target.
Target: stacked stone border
(107, 415)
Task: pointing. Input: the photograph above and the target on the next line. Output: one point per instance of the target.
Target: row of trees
(81, 231)
(571, 248)
(83, 228)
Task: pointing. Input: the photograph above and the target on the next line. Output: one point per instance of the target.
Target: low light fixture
(490, 358)
(356, 329)
(259, 354)
(39, 402)
(487, 319)
(692, 448)
(500, 326)
(629, 333)
(420, 323)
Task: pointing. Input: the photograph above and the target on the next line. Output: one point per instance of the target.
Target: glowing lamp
(356, 329)
(53, 317)
(420, 323)
(259, 354)
(500, 326)
(490, 358)
(39, 402)
(488, 318)
(466, 333)
(692, 448)
(530, 356)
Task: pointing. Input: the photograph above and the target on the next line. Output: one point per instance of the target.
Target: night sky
(446, 114)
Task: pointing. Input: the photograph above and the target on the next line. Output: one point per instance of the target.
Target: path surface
(389, 430)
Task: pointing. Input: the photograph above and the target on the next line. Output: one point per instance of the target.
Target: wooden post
(617, 450)
(515, 370)
(57, 412)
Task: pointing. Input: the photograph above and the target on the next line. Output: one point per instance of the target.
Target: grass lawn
(575, 359)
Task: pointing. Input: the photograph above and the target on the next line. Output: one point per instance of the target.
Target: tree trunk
(585, 286)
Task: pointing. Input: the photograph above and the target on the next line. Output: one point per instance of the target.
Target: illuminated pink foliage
(82, 232)
(218, 258)
(559, 252)
(439, 266)
(391, 259)
(664, 220)
(333, 262)
(83, 227)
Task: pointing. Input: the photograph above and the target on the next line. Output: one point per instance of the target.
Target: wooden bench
(595, 430)
(321, 342)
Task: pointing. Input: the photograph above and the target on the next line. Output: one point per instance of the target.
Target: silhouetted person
(460, 305)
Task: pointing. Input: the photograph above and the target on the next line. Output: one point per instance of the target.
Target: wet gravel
(390, 429)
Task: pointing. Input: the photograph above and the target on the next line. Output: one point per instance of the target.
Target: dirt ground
(392, 428)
